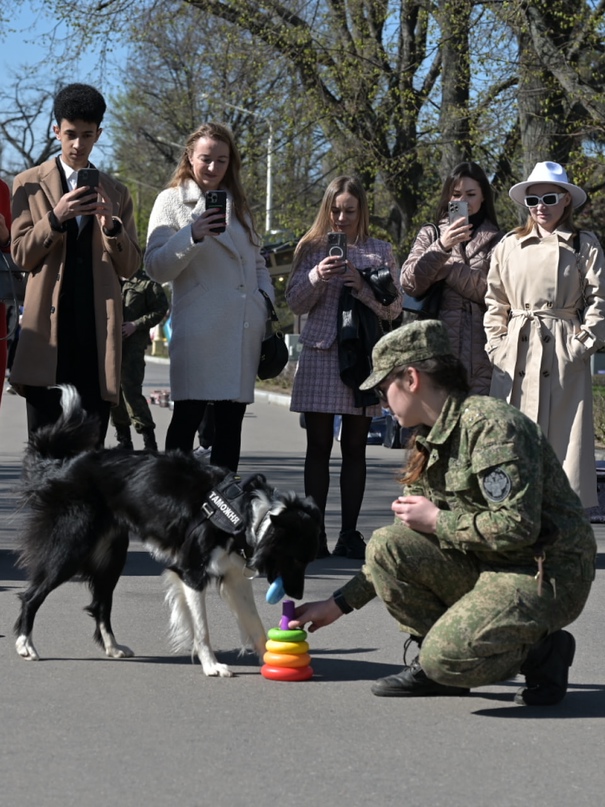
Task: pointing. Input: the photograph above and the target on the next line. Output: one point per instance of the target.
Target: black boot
(413, 682)
(546, 670)
(322, 550)
(149, 440)
(124, 439)
(350, 544)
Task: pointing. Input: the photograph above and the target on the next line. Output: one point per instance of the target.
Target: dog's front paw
(119, 651)
(26, 649)
(216, 669)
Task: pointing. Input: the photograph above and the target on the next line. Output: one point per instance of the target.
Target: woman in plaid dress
(314, 289)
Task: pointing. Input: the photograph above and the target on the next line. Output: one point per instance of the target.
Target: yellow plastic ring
(287, 647)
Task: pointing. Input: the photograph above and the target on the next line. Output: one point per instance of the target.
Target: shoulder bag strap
(272, 312)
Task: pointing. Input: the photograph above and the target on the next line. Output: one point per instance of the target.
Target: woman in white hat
(545, 318)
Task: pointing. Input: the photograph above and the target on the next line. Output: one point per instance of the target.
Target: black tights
(228, 418)
(320, 438)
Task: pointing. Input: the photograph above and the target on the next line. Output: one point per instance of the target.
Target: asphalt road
(81, 729)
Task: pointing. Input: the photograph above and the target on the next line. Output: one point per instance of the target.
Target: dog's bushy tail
(75, 431)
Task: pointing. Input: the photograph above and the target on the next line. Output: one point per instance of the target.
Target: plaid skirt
(318, 388)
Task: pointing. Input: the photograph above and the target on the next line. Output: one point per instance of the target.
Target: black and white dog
(200, 521)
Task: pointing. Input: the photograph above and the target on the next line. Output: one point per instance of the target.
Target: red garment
(5, 210)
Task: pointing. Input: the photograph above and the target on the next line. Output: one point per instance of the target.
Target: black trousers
(228, 419)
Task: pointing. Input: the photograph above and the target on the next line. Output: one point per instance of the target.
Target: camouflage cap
(424, 339)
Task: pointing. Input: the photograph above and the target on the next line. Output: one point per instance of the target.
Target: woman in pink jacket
(315, 288)
(460, 256)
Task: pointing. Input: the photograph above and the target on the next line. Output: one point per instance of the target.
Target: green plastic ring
(278, 635)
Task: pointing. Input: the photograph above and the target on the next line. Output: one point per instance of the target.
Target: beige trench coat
(542, 295)
(40, 251)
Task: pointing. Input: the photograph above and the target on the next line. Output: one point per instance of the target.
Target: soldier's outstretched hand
(316, 614)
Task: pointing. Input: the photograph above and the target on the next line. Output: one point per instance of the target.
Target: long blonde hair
(316, 235)
(231, 181)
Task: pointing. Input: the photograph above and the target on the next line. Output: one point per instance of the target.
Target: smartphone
(218, 200)
(88, 177)
(337, 246)
(457, 210)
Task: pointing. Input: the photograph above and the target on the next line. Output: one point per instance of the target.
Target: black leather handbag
(274, 351)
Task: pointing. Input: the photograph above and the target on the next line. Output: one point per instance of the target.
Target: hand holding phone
(217, 200)
(337, 248)
(88, 178)
(459, 230)
(457, 210)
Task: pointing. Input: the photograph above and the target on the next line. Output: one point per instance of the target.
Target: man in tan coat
(75, 243)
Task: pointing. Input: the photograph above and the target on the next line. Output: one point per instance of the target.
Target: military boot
(124, 439)
(412, 681)
(149, 440)
(546, 670)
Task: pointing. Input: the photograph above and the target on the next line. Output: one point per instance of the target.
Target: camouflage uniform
(145, 305)
(471, 590)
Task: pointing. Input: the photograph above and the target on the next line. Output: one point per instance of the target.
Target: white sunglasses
(549, 199)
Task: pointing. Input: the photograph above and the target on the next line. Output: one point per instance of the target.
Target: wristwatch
(341, 602)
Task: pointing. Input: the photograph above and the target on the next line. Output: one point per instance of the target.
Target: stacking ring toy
(296, 648)
(285, 660)
(278, 635)
(286, 673)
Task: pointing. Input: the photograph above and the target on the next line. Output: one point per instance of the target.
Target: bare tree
(26, 122)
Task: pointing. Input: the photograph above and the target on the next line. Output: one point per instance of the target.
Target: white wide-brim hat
(554, 174)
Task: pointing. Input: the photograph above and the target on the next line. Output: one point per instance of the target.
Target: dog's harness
(224, 507)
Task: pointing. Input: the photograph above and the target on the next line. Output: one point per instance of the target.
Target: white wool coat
(218, 313)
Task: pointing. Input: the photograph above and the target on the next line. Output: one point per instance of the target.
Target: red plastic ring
(286, 673)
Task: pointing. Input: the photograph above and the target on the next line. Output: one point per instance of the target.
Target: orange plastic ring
(286, 660)
(286, 673)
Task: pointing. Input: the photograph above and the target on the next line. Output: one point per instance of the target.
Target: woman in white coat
(545, 318)
(218, 311)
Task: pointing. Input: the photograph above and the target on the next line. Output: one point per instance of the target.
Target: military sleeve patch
(496, 484)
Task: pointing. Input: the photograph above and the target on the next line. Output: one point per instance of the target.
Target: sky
(24, 42)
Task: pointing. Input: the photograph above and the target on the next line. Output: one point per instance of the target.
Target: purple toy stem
(288, 613)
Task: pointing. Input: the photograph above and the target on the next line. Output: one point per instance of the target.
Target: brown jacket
(40, 251)
(463, 303)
